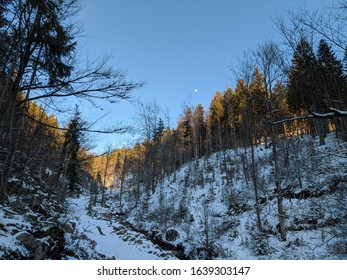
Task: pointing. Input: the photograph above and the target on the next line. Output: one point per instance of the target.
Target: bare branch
(314, 115)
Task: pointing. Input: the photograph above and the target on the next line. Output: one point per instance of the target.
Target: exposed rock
(59, 209)
(56, 239)
(171, 235)
(139, 242)
(40, 253)
(27, 240)
(69, 227)
(92, 243)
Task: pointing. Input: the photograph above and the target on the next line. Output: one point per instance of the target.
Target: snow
(200, 209)
(94, 236)
(107, 241)
(9, 221)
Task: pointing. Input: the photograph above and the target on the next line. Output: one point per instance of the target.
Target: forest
(261, 173)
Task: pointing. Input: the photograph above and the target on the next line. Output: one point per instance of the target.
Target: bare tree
(41, 63)
(148, 116)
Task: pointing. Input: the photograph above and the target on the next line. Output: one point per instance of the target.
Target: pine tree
(303, 95)
(186, 127)
(71, 147)
(332, 84)
(199, 128)
(216, 113)
(228, 119)
(257, 106)
(36, 45)
(241, 96)
(302, 92)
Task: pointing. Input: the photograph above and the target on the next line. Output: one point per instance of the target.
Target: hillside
(206, 209)
(35, 225)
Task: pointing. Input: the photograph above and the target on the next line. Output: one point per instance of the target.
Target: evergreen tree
(241, 96)
(71, 147)
(332, 80)
(36, 45)
(228, 119)
(186, 127)
(302, 92)
(303, 95)
(199, 127)
(257, 106)
(216, 113)
(332, 83)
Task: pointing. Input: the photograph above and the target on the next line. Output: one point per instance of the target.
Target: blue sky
(176, 46)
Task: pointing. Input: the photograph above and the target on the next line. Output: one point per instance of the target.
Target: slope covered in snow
(52, 230)
(103, 234)
(207, 208)
(204, 210)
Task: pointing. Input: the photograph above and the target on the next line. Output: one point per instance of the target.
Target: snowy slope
(205, 210)
(213, 216)
(110, 238)
(48, 231)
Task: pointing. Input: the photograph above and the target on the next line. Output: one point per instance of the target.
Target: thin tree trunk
(281, 214)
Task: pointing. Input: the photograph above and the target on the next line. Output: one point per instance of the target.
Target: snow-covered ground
(213, 216)
(205, 210)
(110, 238)
(27, 234)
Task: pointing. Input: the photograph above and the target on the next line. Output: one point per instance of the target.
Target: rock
(121, 232)
(93, 243)
(58, 235)
(40, 253)
(171, 235)
(139, 242)
(55, 236)
(69, 228)
(84, 237)
(59, 209)
(27, 240)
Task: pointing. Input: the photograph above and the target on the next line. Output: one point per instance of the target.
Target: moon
(196, 90)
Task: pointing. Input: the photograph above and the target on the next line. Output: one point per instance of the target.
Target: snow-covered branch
(333, 113)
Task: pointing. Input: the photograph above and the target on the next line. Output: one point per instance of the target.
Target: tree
(199, 129)
(271, 63)
(39, 46)
(71, 147)
(38, 61)
(303, 88)
(332, 82)
(148, 120)
(216, 114)
(257, 107)
(186, 126)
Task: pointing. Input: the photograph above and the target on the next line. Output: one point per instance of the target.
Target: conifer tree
(303, 95)
(242, 118)
(71, 147)
(332, 83)
(257, 106)
(38, 61)
(186, 127)
(216, 114)
(199, 127)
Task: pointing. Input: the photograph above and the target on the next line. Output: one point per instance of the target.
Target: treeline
(310, 97)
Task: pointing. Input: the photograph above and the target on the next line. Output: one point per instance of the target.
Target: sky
(182, 49)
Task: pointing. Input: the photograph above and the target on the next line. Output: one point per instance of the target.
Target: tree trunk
(281, 214)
